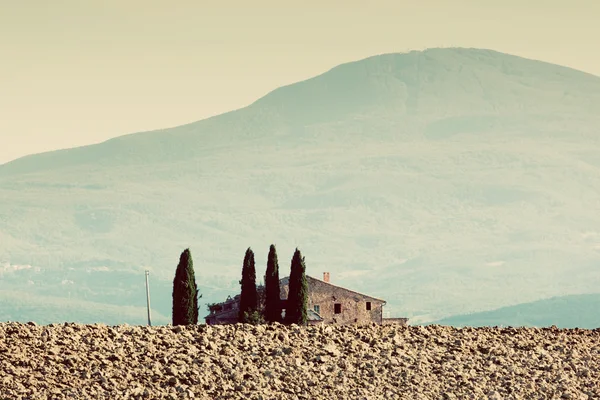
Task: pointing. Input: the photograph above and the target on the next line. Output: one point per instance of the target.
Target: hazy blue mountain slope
(17, 307)
(446, 181)
(434, 86)
(577, 311)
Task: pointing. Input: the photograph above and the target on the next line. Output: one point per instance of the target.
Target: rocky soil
(276, 362)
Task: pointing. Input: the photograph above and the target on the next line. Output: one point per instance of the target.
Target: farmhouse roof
(286, 280)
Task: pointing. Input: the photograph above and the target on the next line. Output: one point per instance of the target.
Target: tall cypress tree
(248, 295)
(296, 311)
(272, 311)
(185, 292)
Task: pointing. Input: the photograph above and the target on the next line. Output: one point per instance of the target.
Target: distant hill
(449, 91)
(577, 311)
(20, 307)
(443, 181)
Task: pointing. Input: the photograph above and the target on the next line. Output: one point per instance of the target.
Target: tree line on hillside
(254, 307)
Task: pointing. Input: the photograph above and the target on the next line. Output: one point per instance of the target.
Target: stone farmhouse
(327, 304)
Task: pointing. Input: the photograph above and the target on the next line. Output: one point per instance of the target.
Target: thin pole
(148, 298)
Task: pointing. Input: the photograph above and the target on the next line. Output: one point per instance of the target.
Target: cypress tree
(185, 292)
(272, 311)
(248, 294)
(296, 312)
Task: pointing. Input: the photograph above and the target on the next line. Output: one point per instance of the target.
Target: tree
(248, 294)
(185, 292)
(296, 310)
(272, 311)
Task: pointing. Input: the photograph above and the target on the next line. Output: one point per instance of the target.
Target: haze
(75, 73)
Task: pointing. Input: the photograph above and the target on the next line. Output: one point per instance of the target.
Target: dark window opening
(317, 309)
(337, 308)
(368, 306)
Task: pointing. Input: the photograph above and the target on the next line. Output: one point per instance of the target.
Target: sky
(76, 72)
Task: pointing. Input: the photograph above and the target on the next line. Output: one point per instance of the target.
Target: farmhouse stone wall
(334, 304)
(352, 306)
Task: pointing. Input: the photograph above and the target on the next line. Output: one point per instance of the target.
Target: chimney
(326, 277)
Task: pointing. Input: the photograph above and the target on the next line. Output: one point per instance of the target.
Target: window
(337, 308)
(317, 308)
(368, 306)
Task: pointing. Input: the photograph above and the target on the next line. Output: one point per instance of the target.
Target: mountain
(446, 181)
(17, 306)
(576, 311)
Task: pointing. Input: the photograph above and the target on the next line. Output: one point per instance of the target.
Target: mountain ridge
(571, 311)
(270, 104)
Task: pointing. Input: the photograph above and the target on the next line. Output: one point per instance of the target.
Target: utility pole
(148, 298)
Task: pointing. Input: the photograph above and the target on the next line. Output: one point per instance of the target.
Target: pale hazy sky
(74, 72)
